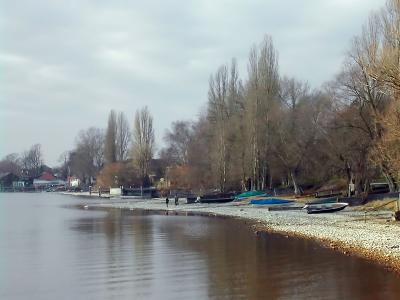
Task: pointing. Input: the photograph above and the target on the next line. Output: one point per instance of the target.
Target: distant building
(47, 176)
(23, 183)
(73, 181)
(40, 184)
(47, 180)
(7, 179)
(19, 185)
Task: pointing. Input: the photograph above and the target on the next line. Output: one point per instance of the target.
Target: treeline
(26, 164)
(264, 131)
(115, 156)
(107, 158)
(270, 130)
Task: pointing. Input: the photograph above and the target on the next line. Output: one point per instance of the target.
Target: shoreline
(375, 238)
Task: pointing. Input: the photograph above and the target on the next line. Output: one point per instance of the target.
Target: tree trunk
(295, 186)
(393, 187)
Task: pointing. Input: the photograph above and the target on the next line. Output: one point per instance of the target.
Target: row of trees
(29, 163)
(115, 152)
(115, 156)
(272, 130)
(267, 130)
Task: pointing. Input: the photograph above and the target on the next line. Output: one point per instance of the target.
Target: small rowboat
(191, 199)
(217, 198)
(267, 201)
(325, 207)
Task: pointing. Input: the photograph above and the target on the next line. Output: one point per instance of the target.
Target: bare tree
(178, 140)
(293, 130)
(88, 157)
(262, 101)
(296, 130)
(236, 131)
(32, 161)
(123, 137)
(218, 115)
(65, 168)
(143, 142)
(11, 163)
(201, 175)
(386, 63)
(383, 66)
(368, 93)
(110, 142)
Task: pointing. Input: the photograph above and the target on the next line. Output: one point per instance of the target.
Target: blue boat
(267, 201)
(249, 194)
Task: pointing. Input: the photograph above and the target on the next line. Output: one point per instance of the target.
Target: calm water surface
(50, 251)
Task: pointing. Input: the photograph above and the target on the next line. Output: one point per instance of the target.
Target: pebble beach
(374, 235)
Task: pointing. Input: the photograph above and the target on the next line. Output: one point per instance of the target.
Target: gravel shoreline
(375, 237)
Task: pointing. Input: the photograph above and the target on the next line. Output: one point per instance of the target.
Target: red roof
(47, 176)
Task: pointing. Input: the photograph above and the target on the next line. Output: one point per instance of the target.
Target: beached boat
(325, 207)
(270, 201)
(248, 194)
(191, 199)
(217, 198)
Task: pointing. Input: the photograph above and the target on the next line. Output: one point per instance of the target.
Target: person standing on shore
(166, 201)
(176, 200)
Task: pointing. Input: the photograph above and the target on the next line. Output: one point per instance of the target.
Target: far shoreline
(375, 239)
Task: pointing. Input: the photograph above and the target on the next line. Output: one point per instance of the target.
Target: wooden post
(398, 203)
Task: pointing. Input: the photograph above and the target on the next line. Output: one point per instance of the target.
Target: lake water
(51, 251)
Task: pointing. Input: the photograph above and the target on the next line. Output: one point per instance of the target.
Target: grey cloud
(65, 64)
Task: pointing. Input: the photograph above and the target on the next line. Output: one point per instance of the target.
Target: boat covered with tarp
(248, 194)
(270, 201)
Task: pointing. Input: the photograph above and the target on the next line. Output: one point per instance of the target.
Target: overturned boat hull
(217, 198)
(325, 207)
(270, 201)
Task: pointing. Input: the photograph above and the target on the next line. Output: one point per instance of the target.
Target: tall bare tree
(87, 158)
(368, 93)
(293, 138)
(262, 101)
(110, 142)
(143, 142)
(32, 161)
(384, 67)
(219, 115)
(123, 137)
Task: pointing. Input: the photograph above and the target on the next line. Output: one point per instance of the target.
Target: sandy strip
(375, 237)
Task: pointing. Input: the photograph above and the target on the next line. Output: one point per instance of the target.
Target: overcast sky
(65, 64)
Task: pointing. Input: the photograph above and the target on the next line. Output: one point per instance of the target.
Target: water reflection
(50, 252)
(210, 258)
